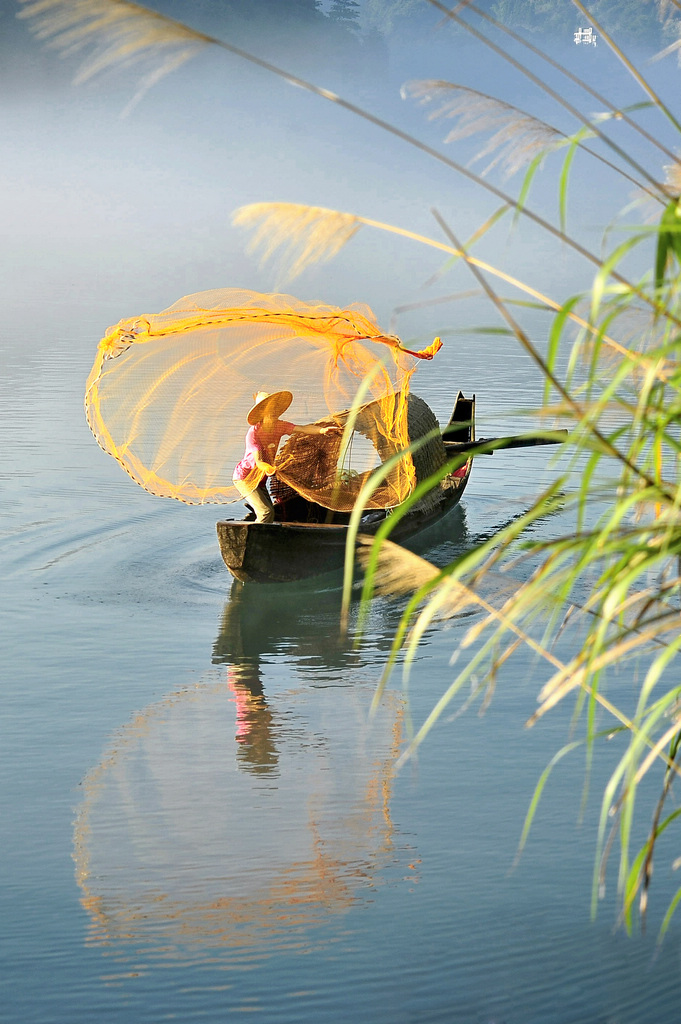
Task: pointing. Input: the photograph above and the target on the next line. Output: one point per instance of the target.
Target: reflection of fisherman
(262, 441)
(255, 726)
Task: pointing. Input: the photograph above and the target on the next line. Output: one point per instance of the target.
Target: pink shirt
(261, 446)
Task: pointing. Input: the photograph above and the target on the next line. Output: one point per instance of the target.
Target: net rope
(169, 394)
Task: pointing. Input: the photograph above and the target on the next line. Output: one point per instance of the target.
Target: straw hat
(274, 405)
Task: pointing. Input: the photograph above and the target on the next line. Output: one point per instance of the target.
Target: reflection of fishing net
(180, 848)
(169, 393)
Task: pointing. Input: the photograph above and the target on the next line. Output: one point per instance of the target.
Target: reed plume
(400, 572)
(122, 34)
(302, 234)
(518, 136)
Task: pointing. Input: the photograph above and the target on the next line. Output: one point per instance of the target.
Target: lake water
(199, 816)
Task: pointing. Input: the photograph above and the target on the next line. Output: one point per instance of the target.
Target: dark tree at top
(345, 11)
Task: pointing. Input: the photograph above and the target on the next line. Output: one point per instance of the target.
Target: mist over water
(198, 816)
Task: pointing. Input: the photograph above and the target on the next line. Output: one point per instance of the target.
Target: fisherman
(262, 440)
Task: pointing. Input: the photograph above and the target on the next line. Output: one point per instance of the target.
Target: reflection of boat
(258, 625)
(307, 540)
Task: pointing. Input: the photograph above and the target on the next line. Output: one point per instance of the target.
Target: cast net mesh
(169, 394)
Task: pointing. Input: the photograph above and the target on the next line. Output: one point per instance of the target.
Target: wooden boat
(308, 540)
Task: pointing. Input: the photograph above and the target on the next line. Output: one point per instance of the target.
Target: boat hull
(285, 552)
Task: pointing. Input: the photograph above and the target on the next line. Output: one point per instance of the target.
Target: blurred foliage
(631, 21)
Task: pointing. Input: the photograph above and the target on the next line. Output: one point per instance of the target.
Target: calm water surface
(199, 816)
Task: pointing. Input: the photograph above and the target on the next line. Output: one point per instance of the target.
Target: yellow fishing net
(169, 395)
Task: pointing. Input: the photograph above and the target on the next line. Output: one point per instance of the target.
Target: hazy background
(96, 207)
